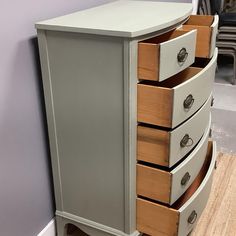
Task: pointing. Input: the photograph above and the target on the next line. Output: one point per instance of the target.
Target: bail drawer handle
(188, 102)
(182, 56)
(185, 179)
(192, 218)
(212, 101)
(210, 133)
(185, 141)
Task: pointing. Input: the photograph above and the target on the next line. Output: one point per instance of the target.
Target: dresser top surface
(121, 18)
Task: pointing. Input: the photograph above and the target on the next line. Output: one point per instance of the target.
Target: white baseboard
(49, 229)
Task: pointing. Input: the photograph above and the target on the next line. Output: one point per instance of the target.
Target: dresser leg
(61, 227)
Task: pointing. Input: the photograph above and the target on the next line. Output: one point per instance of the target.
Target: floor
(219, 216)
(224, 109)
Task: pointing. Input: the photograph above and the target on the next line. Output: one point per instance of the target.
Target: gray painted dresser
(129, 116)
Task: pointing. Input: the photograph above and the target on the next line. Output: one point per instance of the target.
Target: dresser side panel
(88, 94)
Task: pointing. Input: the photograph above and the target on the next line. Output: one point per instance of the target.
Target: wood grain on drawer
(175, 48)
(168, 186)
(166, 148)
(179, 219)
(206, 27)
(172, 101)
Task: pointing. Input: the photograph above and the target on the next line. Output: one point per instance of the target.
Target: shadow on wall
(38, 75)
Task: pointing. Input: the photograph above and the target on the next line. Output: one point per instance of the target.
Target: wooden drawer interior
(148, 178)
(205, 25)
(200, 20)
(175, 80)
(164, 37)
(153, 145)
(154, 218)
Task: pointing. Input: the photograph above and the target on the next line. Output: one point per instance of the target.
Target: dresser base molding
(89, 227)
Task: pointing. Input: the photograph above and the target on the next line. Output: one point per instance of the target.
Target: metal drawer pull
(192, 218)
(210, 133)
(212, 101)
(185, 179)
(188, 102)
(185, 141)
(215, 165)
(182, 56)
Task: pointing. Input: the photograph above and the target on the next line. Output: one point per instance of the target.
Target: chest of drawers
(128, 117)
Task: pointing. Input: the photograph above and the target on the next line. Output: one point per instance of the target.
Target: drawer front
(177, 54)
(193, 208)
(191, 95)
(185, 173)
(167, 187)
(156, 219)
(166, 148)
(186, 136)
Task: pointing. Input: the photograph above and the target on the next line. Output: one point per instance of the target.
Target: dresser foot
(61, 227)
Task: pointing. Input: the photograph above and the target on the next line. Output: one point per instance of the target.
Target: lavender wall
(26, 199)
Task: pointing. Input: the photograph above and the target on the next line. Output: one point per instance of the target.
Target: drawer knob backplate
(185, 179)
(192, 218)
(188, 102)
(186, 141)
(182, 56)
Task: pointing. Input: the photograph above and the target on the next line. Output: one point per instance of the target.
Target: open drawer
(179, 219)
(166, 148)
(207, 27)
(166, 55)
(167, 186)
(172, 101)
